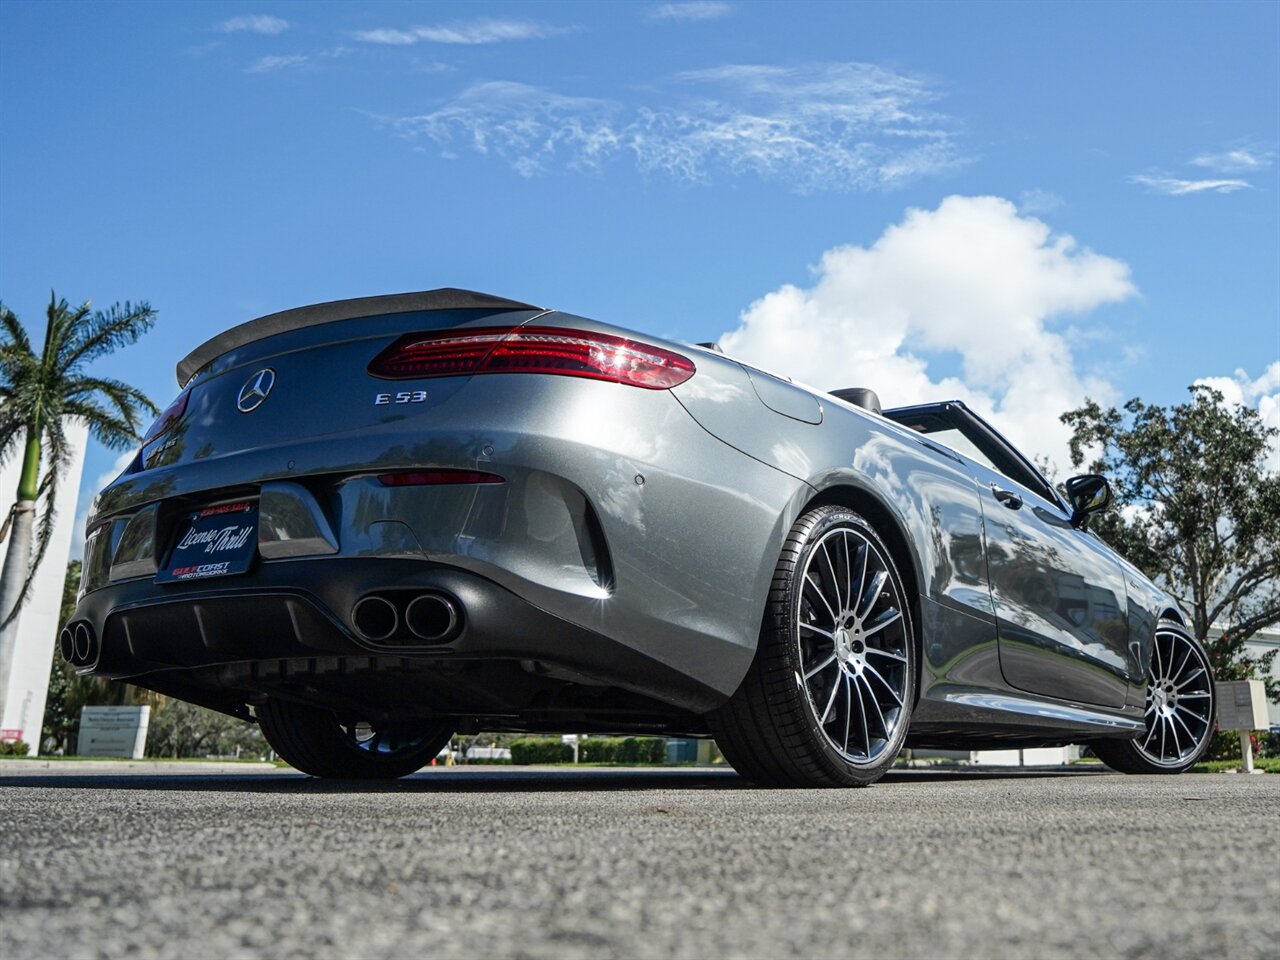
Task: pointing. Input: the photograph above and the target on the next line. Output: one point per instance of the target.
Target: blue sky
(696, 170)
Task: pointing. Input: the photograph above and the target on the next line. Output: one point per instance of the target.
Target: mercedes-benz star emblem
(255, 390)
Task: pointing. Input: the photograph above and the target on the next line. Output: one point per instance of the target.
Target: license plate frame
(213, 542)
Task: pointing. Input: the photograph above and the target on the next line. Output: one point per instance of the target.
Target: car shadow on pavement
(497, 779)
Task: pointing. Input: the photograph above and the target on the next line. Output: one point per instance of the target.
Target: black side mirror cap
(1088, 493)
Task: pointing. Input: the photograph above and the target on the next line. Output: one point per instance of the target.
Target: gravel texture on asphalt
(604, 863)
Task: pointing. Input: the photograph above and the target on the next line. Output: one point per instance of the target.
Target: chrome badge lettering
(404, 396)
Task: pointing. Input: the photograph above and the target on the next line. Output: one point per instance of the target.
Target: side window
(955, 426)
(958, 442)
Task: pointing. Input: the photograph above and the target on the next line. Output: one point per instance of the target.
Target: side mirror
(1088, 494)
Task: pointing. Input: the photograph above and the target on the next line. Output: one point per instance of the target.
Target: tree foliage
(69, 691)
(180, 729)
(39, 389)
(1198, 510)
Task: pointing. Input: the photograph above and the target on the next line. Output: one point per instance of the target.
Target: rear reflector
(422, 478)
(546, 350)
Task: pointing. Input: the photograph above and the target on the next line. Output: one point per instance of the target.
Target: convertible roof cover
(446, 298)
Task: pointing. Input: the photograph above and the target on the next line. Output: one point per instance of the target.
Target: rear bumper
(619, 516)
(301, 610)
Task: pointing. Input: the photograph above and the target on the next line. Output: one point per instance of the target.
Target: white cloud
(831, 126)
(82, 515)
(1037, 201)
(972, 280)
(1262, 394)
(266, 64)
(487, 30)
(1239, 160)
(698, 10)
(1174, 187)
(255, 23)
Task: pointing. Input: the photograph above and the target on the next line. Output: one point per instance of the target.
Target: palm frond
(107, 428)
(129, 400)
(104, 332)
(12, 330)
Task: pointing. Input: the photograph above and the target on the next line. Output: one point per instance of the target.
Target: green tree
(180, 729)
(39, 391)
(70, 691)
(1198, 511)
(63, 702)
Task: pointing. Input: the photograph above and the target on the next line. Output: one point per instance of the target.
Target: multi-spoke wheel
(1180, 704)
(323, 744)
(827, 700)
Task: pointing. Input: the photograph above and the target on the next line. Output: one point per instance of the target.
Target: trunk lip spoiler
(444, 298)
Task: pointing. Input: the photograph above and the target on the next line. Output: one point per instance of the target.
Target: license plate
(214, 542)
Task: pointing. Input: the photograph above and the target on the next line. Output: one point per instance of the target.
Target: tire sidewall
(1125, 755)
(838, 766)
(312, 740)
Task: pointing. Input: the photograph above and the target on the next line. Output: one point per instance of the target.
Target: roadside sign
(113, 732)
(1242, 705)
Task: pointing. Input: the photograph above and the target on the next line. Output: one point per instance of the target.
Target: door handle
(1010, 499)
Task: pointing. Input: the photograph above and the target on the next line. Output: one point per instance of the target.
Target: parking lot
(602, 862)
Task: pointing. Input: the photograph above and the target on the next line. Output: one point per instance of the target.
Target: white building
(37, 624)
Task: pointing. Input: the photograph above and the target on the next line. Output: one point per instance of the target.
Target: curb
(81, 768)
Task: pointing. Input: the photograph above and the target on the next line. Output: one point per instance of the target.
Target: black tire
(772, 730)
(1181, 707)
(320, 743)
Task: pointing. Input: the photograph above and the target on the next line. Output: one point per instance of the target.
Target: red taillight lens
(422, 478)
(170, 416)
(547, 350)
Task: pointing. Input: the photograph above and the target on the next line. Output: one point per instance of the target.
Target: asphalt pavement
(507, 862)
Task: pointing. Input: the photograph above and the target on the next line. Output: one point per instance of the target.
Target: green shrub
(540, 750)
(599, 749)
(1268, 743)
(1267, 764)
(15, 748)
(642, 750)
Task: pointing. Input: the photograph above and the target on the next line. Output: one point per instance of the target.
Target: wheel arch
(893, 532)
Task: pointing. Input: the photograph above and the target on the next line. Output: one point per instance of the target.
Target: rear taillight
(547, 350)
(171, 415)
(424, 478)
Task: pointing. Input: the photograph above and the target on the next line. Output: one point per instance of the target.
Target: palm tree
(37, 392)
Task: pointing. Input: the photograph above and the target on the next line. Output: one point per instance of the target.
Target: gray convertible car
(374, 523)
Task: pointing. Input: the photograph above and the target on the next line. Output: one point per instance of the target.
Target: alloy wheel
(854, 645)
(384, 740)
(1179, 713)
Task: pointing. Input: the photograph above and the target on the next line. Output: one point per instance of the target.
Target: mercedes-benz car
(370, 524)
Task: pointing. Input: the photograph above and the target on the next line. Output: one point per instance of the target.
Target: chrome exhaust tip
(432, 618)
(67, 645)
(375, 618)
(83, 644)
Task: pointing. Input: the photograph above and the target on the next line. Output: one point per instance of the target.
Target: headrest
(859, 397)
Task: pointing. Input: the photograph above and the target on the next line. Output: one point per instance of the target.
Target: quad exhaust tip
(375, 618)
(432, 618)
(78, 644)
(401, 619)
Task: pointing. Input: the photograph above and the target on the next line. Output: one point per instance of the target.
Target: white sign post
(572, 740)
(1242, 705)
(113, 732)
